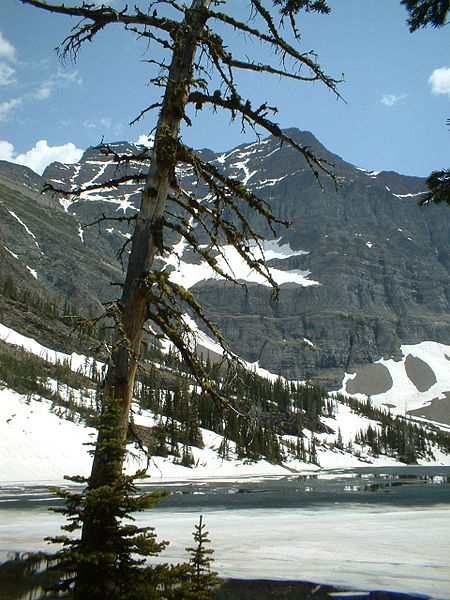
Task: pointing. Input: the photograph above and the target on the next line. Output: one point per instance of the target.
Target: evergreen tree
(187, 458)
(10, 289)
(203, 581)
(426, 12)
(312, 450)
(421, 14)
(339, 441)
(110, 568)
(159, 432)
(439, 188)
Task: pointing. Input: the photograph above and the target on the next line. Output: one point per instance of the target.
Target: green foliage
(426, 12)
(67, 313)
(107, 561)
(439, 185)
(266, 411)
(202, 581)
(9, 289)
(292, 7)
(394, 435)
(31, 299)
(29, 374)
(26, 576)
(47, 576)
(260, 411)
(111, 568)
(269, 410)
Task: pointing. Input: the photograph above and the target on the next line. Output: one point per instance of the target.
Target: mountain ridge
(365, 269)
(362, 309)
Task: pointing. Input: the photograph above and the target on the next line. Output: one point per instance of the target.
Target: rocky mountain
(362, 269)
(42, 247)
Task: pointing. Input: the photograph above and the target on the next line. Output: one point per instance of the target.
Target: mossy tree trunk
(133, 306)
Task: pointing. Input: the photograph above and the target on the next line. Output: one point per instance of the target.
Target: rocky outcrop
(368, 270)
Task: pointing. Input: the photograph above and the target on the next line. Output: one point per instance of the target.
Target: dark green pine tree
(115, 568)
(339, 441)
(172, 429)
(187, 458)
(159, 433)
(195, 434)
(426, 12)
(10, 288)
(202, 581)
(439, 187)
(312, 450)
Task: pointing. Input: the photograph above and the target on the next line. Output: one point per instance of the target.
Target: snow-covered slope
(418, 384)
(232, 264)
(38, 444)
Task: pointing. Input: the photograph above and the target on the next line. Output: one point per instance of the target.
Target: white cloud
(7, 50)
(41, 155)
(391, 99)
(57, 81)
(6, 74)
(6, 108)
(8, 54)
(102, 123)
(145, 140)
(6, 151)
(43, 92)
(440, 81)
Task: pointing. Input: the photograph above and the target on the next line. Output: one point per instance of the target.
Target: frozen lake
(366, 529)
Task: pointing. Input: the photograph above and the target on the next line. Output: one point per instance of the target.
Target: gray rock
(381, 262)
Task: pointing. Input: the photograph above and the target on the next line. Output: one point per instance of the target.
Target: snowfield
(356, 544)
(36, 445)
(232, 264)
(405, 394)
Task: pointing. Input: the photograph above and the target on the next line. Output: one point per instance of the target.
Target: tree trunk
(117, 394)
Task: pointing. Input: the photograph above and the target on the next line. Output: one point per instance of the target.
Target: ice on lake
(369, 546)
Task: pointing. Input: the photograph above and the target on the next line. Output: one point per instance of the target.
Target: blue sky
(396, 89)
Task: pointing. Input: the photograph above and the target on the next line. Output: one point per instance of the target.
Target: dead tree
(200, 71)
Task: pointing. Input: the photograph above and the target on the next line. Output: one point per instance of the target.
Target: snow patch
(77, 362)
(32, 271)
(269, 182)
(409, 195)
(403, 394)
(81, 232)
(19, 220)
(232, 264)
(12, 253)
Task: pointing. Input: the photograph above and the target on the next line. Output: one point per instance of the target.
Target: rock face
(364, 269)
(41, 246)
